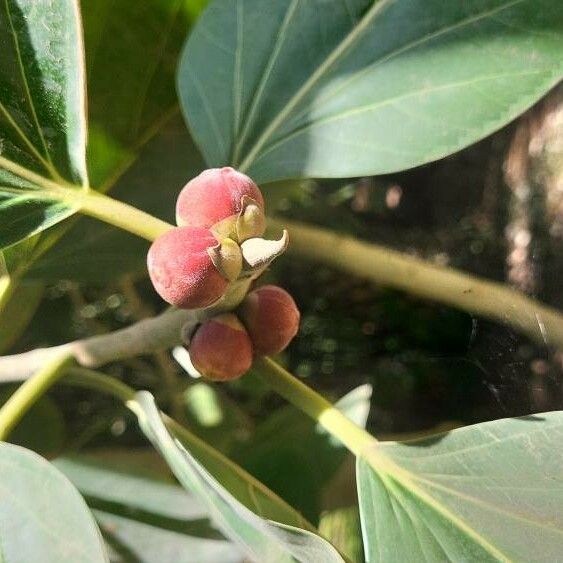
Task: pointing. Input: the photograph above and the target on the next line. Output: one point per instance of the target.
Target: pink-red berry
(221, 349)
(224, 200)
(182, 270)
(271, 318)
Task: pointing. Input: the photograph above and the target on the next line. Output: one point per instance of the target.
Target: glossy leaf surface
(325, 88)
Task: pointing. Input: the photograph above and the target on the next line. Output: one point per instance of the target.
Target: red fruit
(221, 349)
(219, 198)
(271, 318)
(181, 268)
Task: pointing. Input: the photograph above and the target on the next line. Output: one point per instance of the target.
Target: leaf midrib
(387, 102)
(463, 527)
(340, 50)
(386, 469)
(48, 163)
(335, 54)
(485, 505)
(330, 94)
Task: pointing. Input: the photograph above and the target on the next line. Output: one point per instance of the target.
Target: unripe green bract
(223, 200)
(271, 318)
(221, 349)
(182, 270)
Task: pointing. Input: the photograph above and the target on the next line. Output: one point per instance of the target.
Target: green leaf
(42, 516)
(123, 114)
(326, 88)
(42, 89)
(131, 541)
(262, 540)
(92, 251)
(245, 488)
(138, 145)
(131, 52)
(489, 492)
(42, 113)
(143, 518)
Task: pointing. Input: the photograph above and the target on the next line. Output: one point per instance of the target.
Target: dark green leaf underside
(487, 492)
(122, 113)
(326, 88)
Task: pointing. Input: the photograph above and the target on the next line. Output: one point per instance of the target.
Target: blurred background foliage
(431, 367)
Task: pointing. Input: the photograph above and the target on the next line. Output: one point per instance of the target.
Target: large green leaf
(263, 540)
(42, 112)
(138, 146)
(131, 52)
(489, 492)
(144, 517)
(332, 88)
(42, 87)
(123, 115)
(42, 516)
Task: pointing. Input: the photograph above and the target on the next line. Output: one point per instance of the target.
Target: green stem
(94, 204)
(90, 379)
(394, 269)
(356, 439)
(117, 213)
(29, 392)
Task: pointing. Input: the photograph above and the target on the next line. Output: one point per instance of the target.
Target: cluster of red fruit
(193, 265)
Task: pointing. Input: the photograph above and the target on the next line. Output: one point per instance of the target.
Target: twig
(144, 337)
(444, 285)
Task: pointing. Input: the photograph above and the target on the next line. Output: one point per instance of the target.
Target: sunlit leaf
(489, 492)
(42, 516)
(42, 119)
(326, 88)
(42, 113)
(138, 145)
(263, 540)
